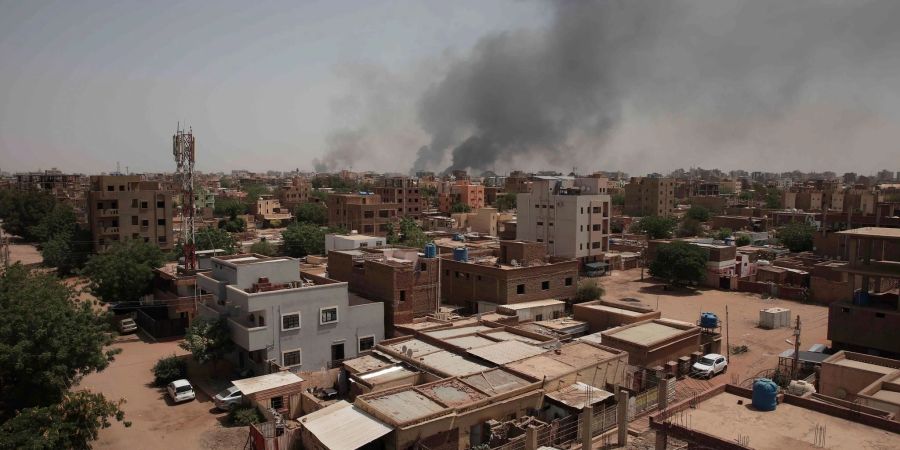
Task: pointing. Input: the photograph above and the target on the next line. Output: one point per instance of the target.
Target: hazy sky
(638, 86)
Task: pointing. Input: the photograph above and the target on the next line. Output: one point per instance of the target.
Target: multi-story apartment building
(282, 318)
(461, 192)
(650, 197)
(403, 191)
(268, 210)
(67, 188)
(365, 213)
(402, 278)
(521, 272)
(295, 193)
(570, 215)
(125, 207)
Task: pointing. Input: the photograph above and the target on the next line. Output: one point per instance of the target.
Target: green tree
(656, 227)
(263, 247)
(215, 238)
(208, 340)
(588, 291)
(460, 208)
(773, 198)
(745, 196)
(169, 369)
(679, 263)
(698, 213)
(618, 199)
(233, 225)
(22, 211)
(254, 191)
(67, 251)
(230, 207)
(61, 219)
(506, 202)
(689, 227)
(314, 213)
(743, 240)
(124, 272)
(48, 342)
(301, 239)
(797, 236)
(411, 233)
(723, 233)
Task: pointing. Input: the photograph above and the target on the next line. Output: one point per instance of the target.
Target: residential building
(461, 192)
(570, 215)
(867, 320)
(403, 191)
(269, 211)
(126, 207)
(601, 315)
(351, 241)
(282, 318)
(520, 272)
(294, 193)
(363, 212)
(405, 280)
(650, 197)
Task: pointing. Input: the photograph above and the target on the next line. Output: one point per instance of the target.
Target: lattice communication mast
(183, 150)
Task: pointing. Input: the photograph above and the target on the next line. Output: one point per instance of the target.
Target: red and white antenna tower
(183, 150)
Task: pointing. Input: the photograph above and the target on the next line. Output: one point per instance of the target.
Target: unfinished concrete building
(650, 197)
(365, 213)
(403, 191)
(126, 207)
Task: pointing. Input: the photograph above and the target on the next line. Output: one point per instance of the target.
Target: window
(134, 203)
(99, 205)
(121, 187)
(366, 343)
(595, 227)
(328, 315)
(160, 203)
(143, 205)
(422, 267)
(277, 402)
(337, 351)
(540, 240)
(545, 285)
(540, 223)
(595, 244)
(597, 210)
(568, 281)
(134, 220)
(538, 317)
(161, 239)
(290, 321)
(160, 221)
(520, 289)
(145, 223)
(581, 228)
(845, 310)
(291, 358)
(402, 296)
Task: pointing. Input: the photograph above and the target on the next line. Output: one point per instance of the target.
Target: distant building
(364, 212)
(281, 318)
(404, 192)
(125, 207)
(268, 210)
(650, 197)
(351, 241)
(294, 193)
(570, 215)
(461, 192)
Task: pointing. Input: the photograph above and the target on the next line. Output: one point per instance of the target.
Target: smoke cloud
(651, 85)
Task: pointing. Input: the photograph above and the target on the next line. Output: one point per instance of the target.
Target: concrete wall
(600, 320)
(844, 382)
(466, 282)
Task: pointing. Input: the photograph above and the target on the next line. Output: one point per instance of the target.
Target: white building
(351, 241)
(281, 318)
(571, 215)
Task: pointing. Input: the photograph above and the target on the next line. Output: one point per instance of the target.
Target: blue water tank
(457, 237)
(461, 254)
(709, 320)
(764, 394)
(430, 250)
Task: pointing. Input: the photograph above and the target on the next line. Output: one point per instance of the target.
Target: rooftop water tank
(764, 394)
(461, 254)
(709, 320)
(457, 237)
(430, 250)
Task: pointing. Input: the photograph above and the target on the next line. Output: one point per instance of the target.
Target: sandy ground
(156, 422)
(24, 253)
(743, 316)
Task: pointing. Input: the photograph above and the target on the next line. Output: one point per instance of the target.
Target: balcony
(109, 212)
(111, 230)
(249, 338)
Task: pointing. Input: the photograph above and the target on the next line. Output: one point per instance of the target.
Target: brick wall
(467, 282)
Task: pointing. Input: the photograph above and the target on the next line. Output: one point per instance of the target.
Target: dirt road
(156, 422)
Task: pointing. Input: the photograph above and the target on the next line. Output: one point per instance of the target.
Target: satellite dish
(409, 352)
(513, 262)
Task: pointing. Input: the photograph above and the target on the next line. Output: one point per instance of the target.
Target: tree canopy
(689, 227)
(407, 233)
(506, 201)
(23, 211)
(797, 236)
(233, 225)
(215, 238)
(742, 240)
(314, 213)
(63, 243)
(230, 207)
(208, 340)
(655, 227)
(698, 213)
(618, 199)
(124, 272)
(679, 263)
(588, 291)
(301, 239)
(723, 233)
(263, 247)
(48, 342)
(460, 208)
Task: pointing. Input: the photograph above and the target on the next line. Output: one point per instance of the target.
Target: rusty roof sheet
(579, 395)
(496, 381)
(506, 352)
(451, 364)
(452, 392)
(418, 347)
(405, 406)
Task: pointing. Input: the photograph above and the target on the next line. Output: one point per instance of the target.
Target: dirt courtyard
(156, 422)
(743, 314)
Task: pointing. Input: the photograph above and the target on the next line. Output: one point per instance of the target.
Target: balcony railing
(109, 212)
(111, 230)
(249, 338)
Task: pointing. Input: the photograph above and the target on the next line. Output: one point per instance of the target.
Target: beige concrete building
(125, 207)
(570, 215)
(650, 197)
(294, 193)
(268, 210)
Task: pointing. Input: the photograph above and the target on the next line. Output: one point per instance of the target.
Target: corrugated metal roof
(343, 425)
(506, 352)
(533, 304)
(265, 382)
(579, 395)
(645, 333)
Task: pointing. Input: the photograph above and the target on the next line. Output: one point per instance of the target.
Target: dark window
(845, 310)
(277, 402)
(366, 343)
(329, 315)
(160, 221)
(110, 188)
(143, 205)
(879, 315)
(160, 203)
(538, 317)
(423, 267)
(402, 296)
(520, 289)
(545, 285)
(290, 321)
(134, 203)
(121, 187)
(568, 281)
(161, 239)
(447, 272)
(99, 205)
(145, 223)
(337, 351)
(596, 210)
(134, 220)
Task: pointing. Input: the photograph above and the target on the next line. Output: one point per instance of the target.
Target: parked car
(180, 391)
(710, 365)
(229, 398)
(127, 325)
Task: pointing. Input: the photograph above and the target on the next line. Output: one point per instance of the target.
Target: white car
(127, 326)
(229, 398)
(180, 391)
(710, 365)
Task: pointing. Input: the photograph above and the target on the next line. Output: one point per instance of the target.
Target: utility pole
(727, 340)
(796, 349)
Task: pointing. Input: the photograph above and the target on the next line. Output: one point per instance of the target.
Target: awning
(343, 425)
(578, 395)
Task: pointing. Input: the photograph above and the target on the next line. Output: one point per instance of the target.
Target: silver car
(229, 398)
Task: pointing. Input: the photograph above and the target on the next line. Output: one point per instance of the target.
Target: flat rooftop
(504, 335)
(788, 426)
(448, 333)
(249, 258)
(452, 392)
(405, 406)
(873, 232)
(613, 309)
(470, 342)
(496, 381)
(451, 364)
(645, 333)
(877, 368)
(533, 304)
(506, 352)
(418, 347)
(266, 382)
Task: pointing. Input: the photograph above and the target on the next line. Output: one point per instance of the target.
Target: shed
(279, 391)
(341, 425)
